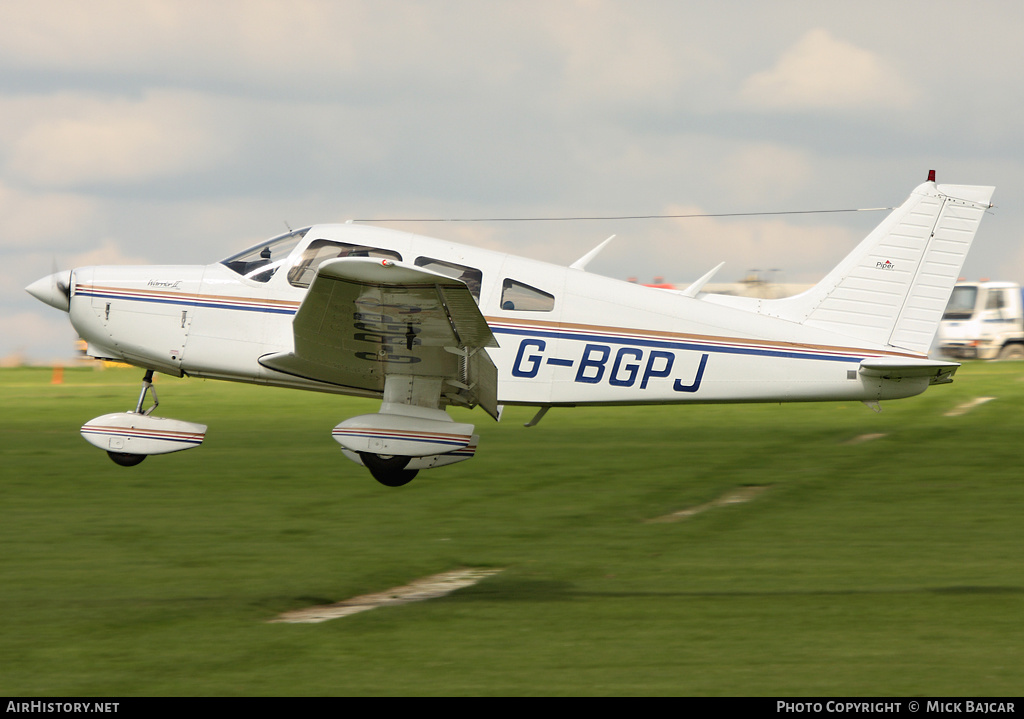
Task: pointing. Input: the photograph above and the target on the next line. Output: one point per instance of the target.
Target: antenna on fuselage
(582, 262)
(697, 286)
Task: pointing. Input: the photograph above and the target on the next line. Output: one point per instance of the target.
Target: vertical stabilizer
(893, 288)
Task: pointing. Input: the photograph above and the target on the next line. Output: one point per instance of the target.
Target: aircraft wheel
(388, 470)
(126, 460)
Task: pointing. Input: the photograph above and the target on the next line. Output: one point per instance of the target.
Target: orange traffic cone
(58, 375)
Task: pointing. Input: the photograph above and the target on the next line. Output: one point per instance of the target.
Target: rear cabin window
(522, 297)
(319, 251)
(470, 275)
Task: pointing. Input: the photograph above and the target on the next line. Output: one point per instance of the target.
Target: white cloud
(108, 253)
(242, 40)
(42, 219)
(320, 48)
(76, 140)
(682, 250)
(609, 57)
(823, 72)
(759, 173)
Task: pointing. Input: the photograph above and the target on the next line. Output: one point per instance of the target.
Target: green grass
(889, 567)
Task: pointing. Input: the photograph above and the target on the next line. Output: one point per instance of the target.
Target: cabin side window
(519, 296)
(470, 275)
(319, 251)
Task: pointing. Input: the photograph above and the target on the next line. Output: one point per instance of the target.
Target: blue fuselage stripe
(188, 303)
(673, 345)
(398, 437)
(134, 435)
(528, 332)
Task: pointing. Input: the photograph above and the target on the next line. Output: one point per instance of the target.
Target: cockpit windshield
(260, 262)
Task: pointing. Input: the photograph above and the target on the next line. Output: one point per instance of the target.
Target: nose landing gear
(130, 437)
(147, 387)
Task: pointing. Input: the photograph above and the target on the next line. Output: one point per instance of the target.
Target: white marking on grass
(736, 496)
(865, 438)
(968, 406)
(416, 591)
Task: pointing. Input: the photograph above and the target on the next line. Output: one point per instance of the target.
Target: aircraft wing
(364, 319)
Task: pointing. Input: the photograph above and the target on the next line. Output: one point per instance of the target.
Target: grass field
(890, 566)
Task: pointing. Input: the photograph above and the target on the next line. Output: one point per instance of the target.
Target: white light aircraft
(423, 323)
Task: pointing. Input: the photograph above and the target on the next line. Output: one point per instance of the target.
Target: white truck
(983, 320)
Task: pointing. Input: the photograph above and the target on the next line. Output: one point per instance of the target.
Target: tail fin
(893, 288)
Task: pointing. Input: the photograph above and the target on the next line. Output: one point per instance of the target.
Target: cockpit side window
(260, 262)
(470, 275)
(319, 251)
(522, 297)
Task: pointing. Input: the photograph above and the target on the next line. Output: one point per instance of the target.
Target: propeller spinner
(54, 290)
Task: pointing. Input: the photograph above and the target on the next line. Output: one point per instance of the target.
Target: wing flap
(363, 319)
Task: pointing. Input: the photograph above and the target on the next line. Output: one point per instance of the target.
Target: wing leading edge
(364, 320)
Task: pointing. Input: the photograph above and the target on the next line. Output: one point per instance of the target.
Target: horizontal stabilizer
(896, 368)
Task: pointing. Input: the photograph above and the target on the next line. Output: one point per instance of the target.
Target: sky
(181, 132)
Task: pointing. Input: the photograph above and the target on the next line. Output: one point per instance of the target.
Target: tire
(1012, 352)
(126, 460)
(389, 471)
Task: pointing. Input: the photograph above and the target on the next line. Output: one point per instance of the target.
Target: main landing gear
(126, 460)
(396, 444)
(388, 470)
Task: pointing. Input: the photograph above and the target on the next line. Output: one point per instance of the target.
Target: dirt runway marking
(968, 406)
(736, 496)
(864, 438)
(416, 591)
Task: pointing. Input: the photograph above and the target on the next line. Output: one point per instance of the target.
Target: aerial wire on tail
(620, 217)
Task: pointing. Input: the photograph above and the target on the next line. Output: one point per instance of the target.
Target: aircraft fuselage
(566, 336)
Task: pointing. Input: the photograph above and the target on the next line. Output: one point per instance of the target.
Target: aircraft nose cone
(54, 290)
